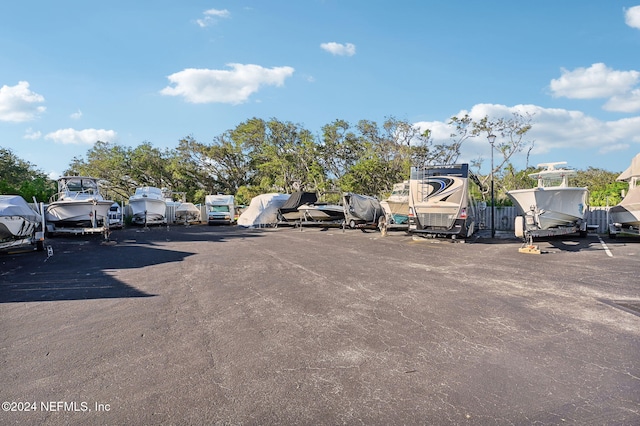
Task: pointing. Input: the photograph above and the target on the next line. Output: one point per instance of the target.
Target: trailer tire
(40, 245)
(352, 224)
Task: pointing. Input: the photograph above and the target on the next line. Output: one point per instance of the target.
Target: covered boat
(552, 203)
(78, 202)
(322, 212)
(625, 216)
(187, 213)
(148, 206)
(361, 210)
(262, 210)
(289, 211)
(17, 219)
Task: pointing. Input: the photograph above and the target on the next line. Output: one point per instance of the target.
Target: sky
(128, 72)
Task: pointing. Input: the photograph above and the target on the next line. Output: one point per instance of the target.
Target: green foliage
(19, 177)
(259, 156)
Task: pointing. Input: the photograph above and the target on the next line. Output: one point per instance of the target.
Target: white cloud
(334, 48)
(552, 129)
(628, 102)
(597, 81)
(210, 17)
(632, 17)
(76, 115)
(224, 86)
(18, 103)
(33, 135)
(82, 137)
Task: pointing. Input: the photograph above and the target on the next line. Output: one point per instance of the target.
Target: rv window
(218, 208)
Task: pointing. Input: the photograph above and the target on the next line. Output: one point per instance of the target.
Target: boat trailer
(526, 229)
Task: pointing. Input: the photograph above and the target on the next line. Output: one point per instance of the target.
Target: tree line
(260, 156)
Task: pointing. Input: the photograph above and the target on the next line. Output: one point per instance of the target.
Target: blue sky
(73, 72)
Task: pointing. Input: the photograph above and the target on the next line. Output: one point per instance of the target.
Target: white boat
(148, 206)
(289, 211)
(320, 212)
(115, 216)
(552, 203)
(187, 213)
(78, 203)
(626, 214)
(17, 219)
(396, 207)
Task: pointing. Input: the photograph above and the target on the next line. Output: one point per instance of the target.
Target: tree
(19, 177)
(603, 187)
(511, 133)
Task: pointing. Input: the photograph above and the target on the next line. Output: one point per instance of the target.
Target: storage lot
(206, 325)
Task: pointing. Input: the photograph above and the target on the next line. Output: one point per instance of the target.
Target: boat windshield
(81, 185)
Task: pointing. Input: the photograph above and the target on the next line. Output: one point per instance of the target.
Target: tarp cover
(633, 170)
(362, 207)
(262, 210)
(297, 199)
(15, 205)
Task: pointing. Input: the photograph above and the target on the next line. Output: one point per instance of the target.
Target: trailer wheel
(40, 245)
(352, 224)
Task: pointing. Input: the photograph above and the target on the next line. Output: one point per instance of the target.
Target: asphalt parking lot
(224, 325)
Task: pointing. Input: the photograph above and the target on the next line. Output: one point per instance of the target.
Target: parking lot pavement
(224, 325)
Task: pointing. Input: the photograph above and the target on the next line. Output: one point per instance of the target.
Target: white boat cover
(632, 171)
(262, 210)
(15, 205)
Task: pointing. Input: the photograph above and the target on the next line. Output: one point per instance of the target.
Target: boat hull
(322, 213)
(78, 212)
(148, 210)
(627, 213)
(397, 210)
(13, 227)
(552, 207)
(17, 219)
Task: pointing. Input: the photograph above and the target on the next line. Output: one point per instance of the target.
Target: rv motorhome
(440, 202)
(220, 209)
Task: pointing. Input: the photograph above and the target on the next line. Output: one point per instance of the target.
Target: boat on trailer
(396, 207)
(361, 211)
(552, 207)
(322, 212)
(20, 225)
(624, 218)
(289, 212)
(78, 206)
(148, 206)
(440, 201)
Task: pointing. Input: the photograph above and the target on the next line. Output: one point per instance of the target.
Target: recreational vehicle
(440, 202)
